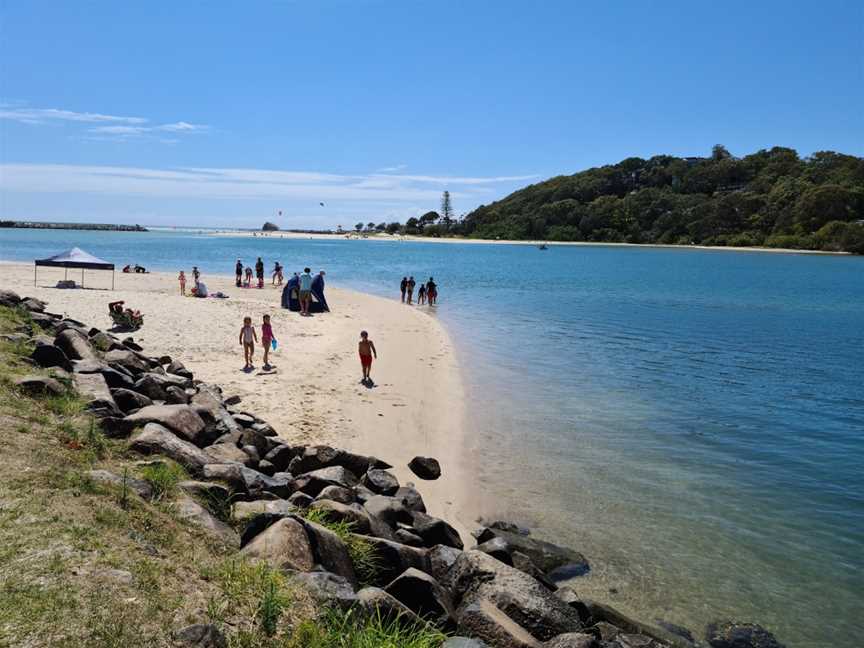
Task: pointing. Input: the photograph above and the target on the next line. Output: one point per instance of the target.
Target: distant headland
(106, 227)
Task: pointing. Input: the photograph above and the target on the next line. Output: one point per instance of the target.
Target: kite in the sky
(322, 204)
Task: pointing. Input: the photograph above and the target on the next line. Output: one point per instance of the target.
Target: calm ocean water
(693, 421)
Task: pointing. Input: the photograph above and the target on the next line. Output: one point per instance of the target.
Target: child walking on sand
(182, 279)
(367, 350)
(248, 338)
(267, 339)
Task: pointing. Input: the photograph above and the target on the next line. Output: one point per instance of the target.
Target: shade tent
(291, 295)
(75, 258)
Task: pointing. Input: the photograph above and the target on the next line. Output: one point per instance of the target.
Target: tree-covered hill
(772, 198)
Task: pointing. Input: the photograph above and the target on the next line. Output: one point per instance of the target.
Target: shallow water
(692, 421)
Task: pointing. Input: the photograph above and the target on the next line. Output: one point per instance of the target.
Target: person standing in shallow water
(421, 295)
(238, 274)
(259, 272)
(410, 291)
(431, 291)
(403, 286)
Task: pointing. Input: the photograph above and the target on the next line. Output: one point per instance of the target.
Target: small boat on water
(542, 246)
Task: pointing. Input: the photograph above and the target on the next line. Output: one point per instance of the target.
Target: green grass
(337, 629)
(163, 477)
(366, 561)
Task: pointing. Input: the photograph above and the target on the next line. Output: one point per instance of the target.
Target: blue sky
(195, 113)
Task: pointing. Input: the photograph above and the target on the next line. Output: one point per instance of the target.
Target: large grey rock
(137, 486)
(389, 509)
(328, 589)
(128, 400)
(208, 398)
(435, 531)
(223, 453)
(154, 384)
(441, 559)
(128, 360)
(48, 355)
(248, 481)
(477, 576)
(381, 481)
(312, 483)
(180, 419)
(601, 613)
(732, 634)
(280, 456)
(337, 494)
(545, 555)
(189, 510)
(330, 552)
(156, 439)
(395, 558)
(282, 545)
(201, 635)
(204, 491)
(424, 596)
(247, 510)
(480, 618)
(75, 345)
(379, 604)
(315, 457)
(9, 298)
(571, 640)
(37, 385)
(353, 514)
(93, 389)
(425, 467)
(411, 498)
(498, 549)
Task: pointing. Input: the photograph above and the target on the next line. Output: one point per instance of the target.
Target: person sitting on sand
(238, 272)
(182, 279)
(248, 338)
(127, 268)
(421, 295)
(305, 291)
(267, 339)
(248, 282)
(403, 286)
(367, 350)
(411, 284)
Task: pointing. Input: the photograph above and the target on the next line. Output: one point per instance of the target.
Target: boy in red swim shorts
(367, 350)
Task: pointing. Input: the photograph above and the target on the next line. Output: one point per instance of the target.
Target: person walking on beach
(248, 338)
(431, 291)
(182, 279)
(248, 283)
(238, 272)
(421, 295)
(267, 340)
(259, 272)
(277, 274)
(403, 286)
(367, 350)
(305, 291)
(411, 284)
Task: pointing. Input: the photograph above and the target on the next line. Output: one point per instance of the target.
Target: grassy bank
(88, 563)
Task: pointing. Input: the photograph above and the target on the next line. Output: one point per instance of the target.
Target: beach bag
(274, 344)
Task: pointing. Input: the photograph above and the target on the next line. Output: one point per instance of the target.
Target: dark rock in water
(155, 439)
(524, 564)
(180, 419)
(441, 559)
(480, 618)
(731, 634)
(282, 545)
(435, 531)
(603, 615)
(9, 298)
(501, 525)
(201, 635)
(425, 467)
(396, 558)
(411, 497)
(376, 603)
(40, 386)
(48, 355)
(476, 576)
(137, 486)
(330, 552)
(328, 589)
(571, 598)
(571, 640)
(463, 642)
(424, 596)
(75, 345)
(381, 481)
(497, 548)
(301, 500)
(545, 555)
(568, 571)
(677, 630)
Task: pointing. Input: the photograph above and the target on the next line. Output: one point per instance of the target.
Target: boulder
(266, 467)
(225, 453)
(396, 558)
(178, 369)
(36, 385)
(315, 457)
(129, 401)
(312, 483)
(389, 509)
(328, 589)
(337, 494)
(205, 491)
(248, 510)
(441, 559)
(282, 545)
(477, 576)
(600, 613)
(75, 345)
(175, 395)
(130, 343)
(677, 630)
(155, 439)
(151, 387)
(263, 443)
(732, 634)
(116, 379)
(48, 355)
(377, 603)
(353, 514)
(545, 555)
(424, 596)
(425, 467)
(189, 510)
(380, 481)
(33, 305)
(524, 564)
(480, 618)
(9, 298)
(128, 360)
(301, 500)
(498, 549)
(137, 486)
(103, 342)
(571, 640)
(411, 497)
(406, 537)
(207, 399)
(280, 456)
(201, 635)
(93, 389)
(330, 552)
(180, 419)
(248, 481)
(435, 531)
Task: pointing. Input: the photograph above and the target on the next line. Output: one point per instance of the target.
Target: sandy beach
(313, 392)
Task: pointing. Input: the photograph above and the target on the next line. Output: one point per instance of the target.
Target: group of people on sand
(199, 289)
(243, 275)
(426, 294)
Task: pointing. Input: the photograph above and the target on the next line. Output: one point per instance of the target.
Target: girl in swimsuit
(248, 338)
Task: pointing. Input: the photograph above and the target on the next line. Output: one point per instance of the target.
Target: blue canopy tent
(291, 295)
(75, 258)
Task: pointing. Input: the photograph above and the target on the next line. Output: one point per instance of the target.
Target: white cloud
(392, 169)
(43, 115)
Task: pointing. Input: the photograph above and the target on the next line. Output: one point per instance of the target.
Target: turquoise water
(693, 421)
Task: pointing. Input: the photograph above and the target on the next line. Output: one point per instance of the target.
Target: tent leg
(112, 280)
(35, 268)
(82, 277)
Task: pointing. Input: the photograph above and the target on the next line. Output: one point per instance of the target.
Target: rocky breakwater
(505, 592)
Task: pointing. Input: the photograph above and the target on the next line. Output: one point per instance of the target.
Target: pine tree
(446, 210)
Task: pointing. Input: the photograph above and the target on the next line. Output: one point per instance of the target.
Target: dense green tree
(393, 227)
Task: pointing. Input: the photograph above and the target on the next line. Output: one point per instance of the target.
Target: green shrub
(366, 561)
(163, 478)
(337, 629)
